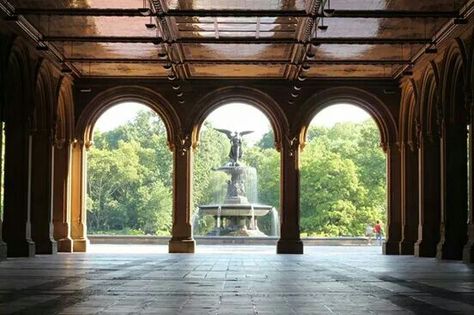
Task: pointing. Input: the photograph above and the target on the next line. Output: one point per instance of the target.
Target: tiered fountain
(236, 216)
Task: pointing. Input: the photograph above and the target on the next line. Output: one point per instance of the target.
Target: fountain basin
(235, 210)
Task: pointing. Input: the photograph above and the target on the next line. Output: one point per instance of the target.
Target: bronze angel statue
(235, 138)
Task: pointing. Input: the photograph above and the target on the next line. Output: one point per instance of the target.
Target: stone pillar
(3, 245)
(453, 192)
(394, 225)
(41, 192)
(409, 198)
(429, 196)
(182, 240)
(468, 251)
(16, 216)
(290, 241)
(78, 197)
(61, 197)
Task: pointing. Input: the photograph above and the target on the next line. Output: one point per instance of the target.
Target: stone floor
(140, 279)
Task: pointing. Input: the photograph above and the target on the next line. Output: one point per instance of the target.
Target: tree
(129, 179)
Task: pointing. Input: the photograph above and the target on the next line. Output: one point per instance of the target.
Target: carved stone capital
(183, 144)
(292, 143)
(81, 142)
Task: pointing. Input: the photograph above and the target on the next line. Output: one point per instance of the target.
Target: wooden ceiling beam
(241, 62)
(240, 40)
(379, 14)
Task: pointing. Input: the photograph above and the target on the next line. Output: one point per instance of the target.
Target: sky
(237, 117)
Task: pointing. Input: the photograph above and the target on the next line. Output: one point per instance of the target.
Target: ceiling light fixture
(322, 27)
(301, 78)
(151, 25)
(329, 11)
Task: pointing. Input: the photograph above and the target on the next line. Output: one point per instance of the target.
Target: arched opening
(129, 173)
(236, 176)
(343, 177)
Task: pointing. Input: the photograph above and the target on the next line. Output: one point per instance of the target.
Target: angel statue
(235, 138)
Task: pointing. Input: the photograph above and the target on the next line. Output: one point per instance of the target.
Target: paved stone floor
(142, 279)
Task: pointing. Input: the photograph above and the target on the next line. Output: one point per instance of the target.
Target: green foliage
(342, 180)
(129, 179)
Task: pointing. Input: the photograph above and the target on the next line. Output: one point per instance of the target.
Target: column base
(425, 248)
(80, 245)
(446, 250)
(407, 247)
(65, 245)
(3, 250)
(289, 247)
(21, 249)
(187, 246)
(468, 252)
(391, 248)
(46, 247)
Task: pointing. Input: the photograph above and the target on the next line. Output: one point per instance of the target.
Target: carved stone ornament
(293, 145)
(183, 144)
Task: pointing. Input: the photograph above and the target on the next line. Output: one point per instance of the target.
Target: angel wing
(243, 133)
(228, 133)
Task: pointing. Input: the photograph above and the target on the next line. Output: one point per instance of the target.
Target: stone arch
(19, 75)
(111, 97)
(429, 101)
(409, 122)
(253, 97)
(455, 82)
(63, 120)
(44, 97)
(363, 99)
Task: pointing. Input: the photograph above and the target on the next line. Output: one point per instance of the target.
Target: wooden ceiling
(192, 39)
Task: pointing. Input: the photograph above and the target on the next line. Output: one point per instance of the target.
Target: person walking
(378, 232)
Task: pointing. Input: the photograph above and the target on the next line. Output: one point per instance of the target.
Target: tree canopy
(130, 178)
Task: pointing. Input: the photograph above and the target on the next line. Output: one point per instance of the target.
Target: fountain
(236, 215)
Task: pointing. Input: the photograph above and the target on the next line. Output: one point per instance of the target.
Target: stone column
(394, 226)
(61, 197)
(468, 251)
(16, 216)
(409, 198)
(290, 241)
(41, 192)
(78, 197)
(429, 196)
(3, 245)
(182, 240)
(453, 192)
